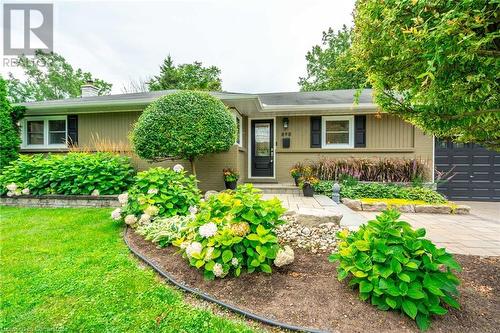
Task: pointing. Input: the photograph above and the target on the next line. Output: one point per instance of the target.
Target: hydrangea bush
(235, 230)
(162, 192)
(72, 173)
(396, 268)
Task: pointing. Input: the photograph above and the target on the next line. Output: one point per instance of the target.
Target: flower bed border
(58, 200)
(359, 205)
(209, 298)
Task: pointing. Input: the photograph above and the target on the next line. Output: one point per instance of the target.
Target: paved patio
(474, 234)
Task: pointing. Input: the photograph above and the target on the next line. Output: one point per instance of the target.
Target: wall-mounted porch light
(285, 123)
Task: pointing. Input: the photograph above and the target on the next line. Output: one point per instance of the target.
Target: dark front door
(262, 155)
(477, 171)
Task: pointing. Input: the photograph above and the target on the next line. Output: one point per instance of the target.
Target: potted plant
(230, 178)
(296, 174)
(307, 185)
(307, 181)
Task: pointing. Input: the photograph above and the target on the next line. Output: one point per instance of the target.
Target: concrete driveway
(474, 234)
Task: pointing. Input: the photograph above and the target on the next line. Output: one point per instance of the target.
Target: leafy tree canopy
(331, 66)
(183, 125)
(434, 63)
(49, 76)
(186, 77)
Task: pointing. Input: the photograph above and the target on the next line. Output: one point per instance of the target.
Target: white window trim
(240, 129)
(324, 119)
(24, 132)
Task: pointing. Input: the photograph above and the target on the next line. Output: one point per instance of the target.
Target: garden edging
(58, 200)
(359, 205)
(209, 298)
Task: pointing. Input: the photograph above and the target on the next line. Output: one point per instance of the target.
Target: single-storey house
(275, 130)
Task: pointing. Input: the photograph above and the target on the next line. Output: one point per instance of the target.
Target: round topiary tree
(183, 125)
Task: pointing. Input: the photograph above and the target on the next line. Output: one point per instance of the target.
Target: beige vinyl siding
(388, 137)
(112, 127)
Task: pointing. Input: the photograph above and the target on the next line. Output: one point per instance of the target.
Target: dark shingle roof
(316, 97)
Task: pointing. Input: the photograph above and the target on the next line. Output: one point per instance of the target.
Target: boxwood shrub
(72, 173)
(396, 268)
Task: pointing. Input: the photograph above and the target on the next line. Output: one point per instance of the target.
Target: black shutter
(315, 132)
(73, 130)
(359, 131)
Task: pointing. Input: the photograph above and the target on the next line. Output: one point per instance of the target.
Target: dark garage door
(477, 171)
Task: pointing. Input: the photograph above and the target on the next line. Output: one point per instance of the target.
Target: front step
(278, 188)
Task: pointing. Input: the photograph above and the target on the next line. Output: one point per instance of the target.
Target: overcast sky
(258, 45)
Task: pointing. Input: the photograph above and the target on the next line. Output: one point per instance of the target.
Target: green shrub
(234, 231)
(381, 191)
(159, 192)
(184, 125)
(396, 268)
(72, 173)
(10, 140)
(163, 231)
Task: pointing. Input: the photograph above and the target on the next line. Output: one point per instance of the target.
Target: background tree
(50, 76)
(331, 66)
(186, 77)
(434, 63)
(10, 139)
(183, 125)
(135, 86)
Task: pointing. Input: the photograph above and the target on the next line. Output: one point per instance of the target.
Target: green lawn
(69, 270)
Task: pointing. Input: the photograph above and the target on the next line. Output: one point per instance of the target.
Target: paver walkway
(474, 234)
(293, 202)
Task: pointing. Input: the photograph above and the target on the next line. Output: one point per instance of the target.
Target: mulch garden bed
(307, 293)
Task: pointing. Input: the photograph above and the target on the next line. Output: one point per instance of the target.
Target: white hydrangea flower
(95, 193)
(130, 219)
(284, 257)
(234, 262)
(123, 198)
(116, 214)
(152, 210)
(218, 270)
(10, 194)
(145, 219)
(12, 187)
(193, 210)
(141, 200)
(184, 245)
(194, 247)
(209, 254)
(25, 191)
(208, 230)
(153, 191)
(178, 168)
(17, 192)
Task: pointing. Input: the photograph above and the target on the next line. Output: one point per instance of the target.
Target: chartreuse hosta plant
(234, 231)
(158, 192)
(396, 268)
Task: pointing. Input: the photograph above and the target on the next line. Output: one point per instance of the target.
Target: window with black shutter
(73, 130)
(315, 132)
(359, 131)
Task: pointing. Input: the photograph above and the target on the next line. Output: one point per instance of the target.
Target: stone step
(278, 188)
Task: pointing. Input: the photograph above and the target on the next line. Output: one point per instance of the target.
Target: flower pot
(308, 190)
(230, 185)
(296, 179)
